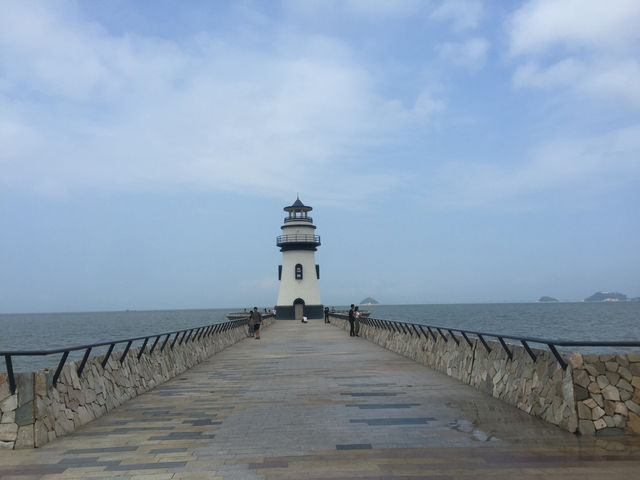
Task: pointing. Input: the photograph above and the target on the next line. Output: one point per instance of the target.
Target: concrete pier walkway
(309, 402)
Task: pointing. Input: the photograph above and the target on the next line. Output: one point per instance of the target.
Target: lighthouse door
(298, 308)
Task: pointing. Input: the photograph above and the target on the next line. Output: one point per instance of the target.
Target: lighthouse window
(298, 272)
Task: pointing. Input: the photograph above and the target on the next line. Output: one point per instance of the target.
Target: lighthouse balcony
(298, 239)
(298, 219)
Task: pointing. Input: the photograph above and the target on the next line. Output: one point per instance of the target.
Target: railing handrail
(73, 348)
(550, 343)
(203, 330)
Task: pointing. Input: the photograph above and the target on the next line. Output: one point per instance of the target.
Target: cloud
(382, 9)
(470, 54)
(463, 14)
(574, 168)
(82, 108)
(427, 105)
(586, 46)
(574, 24)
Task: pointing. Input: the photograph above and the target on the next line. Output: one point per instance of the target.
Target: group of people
(255, 319)
(354, 321)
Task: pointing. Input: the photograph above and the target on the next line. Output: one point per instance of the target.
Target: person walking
(326, 314)
(351, 322)
(256, 319)
(356, 321)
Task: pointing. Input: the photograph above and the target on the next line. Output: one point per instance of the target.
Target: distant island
(607, 297)
(369, 301)
(546, 299)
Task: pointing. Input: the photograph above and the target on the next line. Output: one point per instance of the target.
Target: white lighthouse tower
(299, 294)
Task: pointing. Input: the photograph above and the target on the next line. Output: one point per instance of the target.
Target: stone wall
(594, 394)
(38, 412)
(607, 392)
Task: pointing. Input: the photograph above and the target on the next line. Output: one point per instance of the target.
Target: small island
(607, 297)
(545, 299)
(369, 301)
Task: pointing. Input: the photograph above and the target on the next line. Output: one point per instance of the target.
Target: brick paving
(309, 402)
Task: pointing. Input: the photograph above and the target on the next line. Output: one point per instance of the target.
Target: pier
(309, 402)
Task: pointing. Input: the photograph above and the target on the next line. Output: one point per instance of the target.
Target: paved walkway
(309, 402)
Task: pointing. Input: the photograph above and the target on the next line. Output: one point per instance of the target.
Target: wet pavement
(309, 402)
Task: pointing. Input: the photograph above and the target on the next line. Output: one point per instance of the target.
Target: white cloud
(586, 46)
(470, 54)
(463, 14)
(97, 110)
(574, 24)
(574, 168)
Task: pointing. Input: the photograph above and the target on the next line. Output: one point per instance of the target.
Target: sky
(453, 151)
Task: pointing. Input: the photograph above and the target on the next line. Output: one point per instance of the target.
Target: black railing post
(153, 347)
(84, 361)
(426, 336)
(529, 351)
(165, 342)
(444, 337)
(455, 339)
(106, 357)
(126, 350)
(433, 335)
(559, 358)
(484, 343)
(466, 338)
(144, 345)
(12, 379)
(60, 365)
(506, 349)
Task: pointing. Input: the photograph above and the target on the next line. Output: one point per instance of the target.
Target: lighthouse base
(288, 312)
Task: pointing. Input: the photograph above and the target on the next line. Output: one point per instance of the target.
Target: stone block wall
(607, 392)
(594, 394)
(38, 412)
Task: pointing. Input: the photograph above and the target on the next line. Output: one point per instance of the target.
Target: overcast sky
(452, 150)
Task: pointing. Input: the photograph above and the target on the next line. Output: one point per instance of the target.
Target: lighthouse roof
(298, 206)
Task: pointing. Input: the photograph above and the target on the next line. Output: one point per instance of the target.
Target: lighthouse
(299, 294)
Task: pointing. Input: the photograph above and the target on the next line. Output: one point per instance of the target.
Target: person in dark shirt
(352, 319)
(326, 314)
(256, 319)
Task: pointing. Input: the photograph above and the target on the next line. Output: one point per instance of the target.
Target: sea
(606, 321)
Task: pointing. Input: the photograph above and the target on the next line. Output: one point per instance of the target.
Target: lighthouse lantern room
(299, 294)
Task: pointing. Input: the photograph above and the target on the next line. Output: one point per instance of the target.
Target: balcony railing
(298, 219)
(298, 238)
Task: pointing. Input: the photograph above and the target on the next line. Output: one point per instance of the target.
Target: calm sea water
(571, 321)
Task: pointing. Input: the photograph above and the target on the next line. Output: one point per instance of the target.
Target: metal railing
(179, 337)
(419, 330)
(298, 238)
(298, 219)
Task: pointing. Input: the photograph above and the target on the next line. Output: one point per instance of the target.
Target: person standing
(256, 319)
(326, 314)
(351, 322)
(250, 323)
(356, 321)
